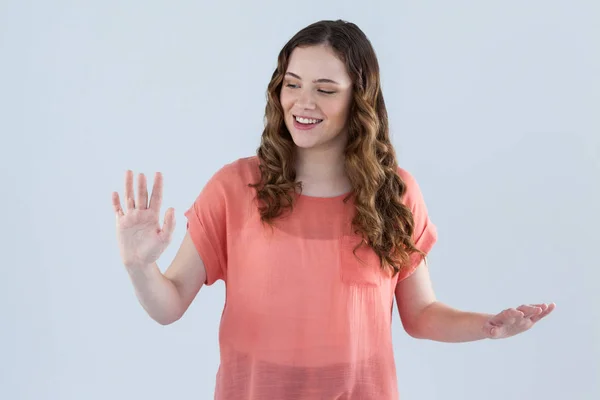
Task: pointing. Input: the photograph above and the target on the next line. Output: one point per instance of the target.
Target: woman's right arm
(166, 297)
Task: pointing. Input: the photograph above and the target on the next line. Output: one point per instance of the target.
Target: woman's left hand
(513, 321)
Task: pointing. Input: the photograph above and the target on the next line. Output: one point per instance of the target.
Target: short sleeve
(207, 226)
(425, 232)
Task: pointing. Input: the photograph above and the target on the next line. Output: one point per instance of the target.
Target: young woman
(314, 237)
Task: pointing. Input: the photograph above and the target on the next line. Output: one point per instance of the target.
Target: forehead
(316, 62)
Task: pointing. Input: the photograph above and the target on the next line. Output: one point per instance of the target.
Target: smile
(307, 121)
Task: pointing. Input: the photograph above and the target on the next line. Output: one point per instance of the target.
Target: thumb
(168, 223)
(494, 332)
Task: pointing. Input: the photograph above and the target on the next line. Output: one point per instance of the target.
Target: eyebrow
(322, 80)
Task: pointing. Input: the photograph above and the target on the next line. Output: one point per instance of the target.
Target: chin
(303, 142)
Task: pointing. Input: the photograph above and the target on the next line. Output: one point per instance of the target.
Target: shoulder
(412, 193)
(242, 168)
(231, 180)
(406, 176)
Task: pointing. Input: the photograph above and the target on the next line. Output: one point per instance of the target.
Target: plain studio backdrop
(494, 108)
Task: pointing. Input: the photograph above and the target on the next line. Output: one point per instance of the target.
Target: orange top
(303, 318)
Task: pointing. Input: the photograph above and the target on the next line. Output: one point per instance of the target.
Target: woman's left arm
(424, 317)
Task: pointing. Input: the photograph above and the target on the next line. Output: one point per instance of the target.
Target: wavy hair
(383, 221)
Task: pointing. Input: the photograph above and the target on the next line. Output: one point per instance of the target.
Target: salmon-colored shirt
(303, 318)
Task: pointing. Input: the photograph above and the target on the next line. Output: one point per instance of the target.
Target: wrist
(140, 271)
(486, 327)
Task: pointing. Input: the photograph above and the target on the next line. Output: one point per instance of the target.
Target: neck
(321, 172)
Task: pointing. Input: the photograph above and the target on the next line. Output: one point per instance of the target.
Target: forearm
(442, 323)
(156, 293)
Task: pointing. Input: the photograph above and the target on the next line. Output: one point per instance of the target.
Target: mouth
(306, 120)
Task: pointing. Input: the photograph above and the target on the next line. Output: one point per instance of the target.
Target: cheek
(338, 111)
(286, 100)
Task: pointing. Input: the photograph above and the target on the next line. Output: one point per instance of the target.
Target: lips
(305, 127)
(307, 117)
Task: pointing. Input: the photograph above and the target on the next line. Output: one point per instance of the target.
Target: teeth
(307, 121)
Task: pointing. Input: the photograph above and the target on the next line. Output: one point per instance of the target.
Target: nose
(305, 100)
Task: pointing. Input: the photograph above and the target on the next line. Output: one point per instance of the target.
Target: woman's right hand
(139, 236)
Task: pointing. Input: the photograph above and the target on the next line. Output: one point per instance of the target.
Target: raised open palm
(140, 238)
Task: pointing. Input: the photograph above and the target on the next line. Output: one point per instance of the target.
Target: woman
(314, 237)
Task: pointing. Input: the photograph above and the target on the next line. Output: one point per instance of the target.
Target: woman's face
(316, 95)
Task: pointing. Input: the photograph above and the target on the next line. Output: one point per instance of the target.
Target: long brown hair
(381, 219)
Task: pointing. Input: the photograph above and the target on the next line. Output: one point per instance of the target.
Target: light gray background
(493, 107)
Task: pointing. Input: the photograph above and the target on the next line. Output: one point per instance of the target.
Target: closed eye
(292, 86)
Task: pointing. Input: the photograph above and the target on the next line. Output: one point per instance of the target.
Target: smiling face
(315, 96)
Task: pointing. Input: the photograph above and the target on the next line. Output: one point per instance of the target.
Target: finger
(129, 199)
(157, 189)
(142, 195)
(548, 310)
(117, 204)
(529, 310)
(543, 306)
(168, 224)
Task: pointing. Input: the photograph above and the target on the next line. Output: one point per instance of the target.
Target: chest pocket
(360, 267)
